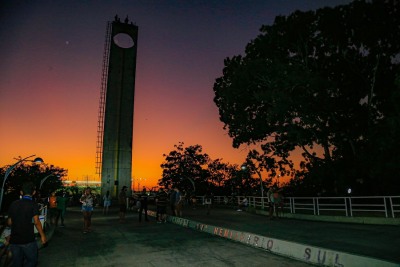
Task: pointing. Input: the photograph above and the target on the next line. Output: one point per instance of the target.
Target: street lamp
(45, 178)
(140, 179)
(191, 180)
(349, 190)
(8, 171)
(244, 167)
(184, 168)
(277, 180)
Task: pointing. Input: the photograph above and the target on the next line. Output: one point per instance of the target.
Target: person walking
(178, 203)
(106, 202)
(52, 202)
(122, 204)
(271, 200)
(161, 202)
(143, 205)
(62, 201)
(21, 214)
(87, 209)
(243, 204)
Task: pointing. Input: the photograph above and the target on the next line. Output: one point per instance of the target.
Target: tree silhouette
(183, 166)
(36, 173)
(324, 82)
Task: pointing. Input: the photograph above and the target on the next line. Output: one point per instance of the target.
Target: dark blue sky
(51, 57)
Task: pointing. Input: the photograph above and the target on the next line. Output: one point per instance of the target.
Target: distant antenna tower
(116, 106)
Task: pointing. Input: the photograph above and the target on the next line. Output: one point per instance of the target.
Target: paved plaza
(175, 244)
(146, 244)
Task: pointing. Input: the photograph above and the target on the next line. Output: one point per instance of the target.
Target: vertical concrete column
(119, 108)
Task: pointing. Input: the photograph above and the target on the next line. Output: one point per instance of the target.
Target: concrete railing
(349, 206)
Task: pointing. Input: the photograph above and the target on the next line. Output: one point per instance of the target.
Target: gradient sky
(51, 55)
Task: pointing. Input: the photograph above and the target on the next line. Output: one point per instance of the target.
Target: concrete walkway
(324, 243)
(146, 244)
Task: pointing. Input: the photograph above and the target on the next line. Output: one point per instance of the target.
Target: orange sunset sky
(50, 71)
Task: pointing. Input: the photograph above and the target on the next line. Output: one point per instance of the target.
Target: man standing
(122, 204)
(161, 201)
(62, 201)
(22, 212)
(178, 202)
(270, 197)
(143, 205)
(52, 202)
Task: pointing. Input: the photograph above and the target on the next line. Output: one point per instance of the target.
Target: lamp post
(140, 179)
(45, 178)
(244, 167)
(191, 180)
(184, 168)
(8, 171)
(261, 189)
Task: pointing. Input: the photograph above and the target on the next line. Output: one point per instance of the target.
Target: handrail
(349, 206)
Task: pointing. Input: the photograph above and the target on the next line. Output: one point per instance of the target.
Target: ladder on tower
(102, 100)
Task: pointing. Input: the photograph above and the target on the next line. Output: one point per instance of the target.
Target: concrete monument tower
(115, 126)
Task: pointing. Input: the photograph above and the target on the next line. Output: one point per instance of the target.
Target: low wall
(302, 252)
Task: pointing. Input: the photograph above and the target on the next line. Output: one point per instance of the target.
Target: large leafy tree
(184, 167)
(323, 82)
(189, 168)
(50, 175)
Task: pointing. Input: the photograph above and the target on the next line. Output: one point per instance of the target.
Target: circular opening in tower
(123, 40)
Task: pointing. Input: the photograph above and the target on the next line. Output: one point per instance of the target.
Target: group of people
(18, 240)
(176, 202)
(20, 234)
(161, 201)
(275, 202)
(57, 205)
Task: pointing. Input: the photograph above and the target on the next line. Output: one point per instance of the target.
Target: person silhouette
(143, 205)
